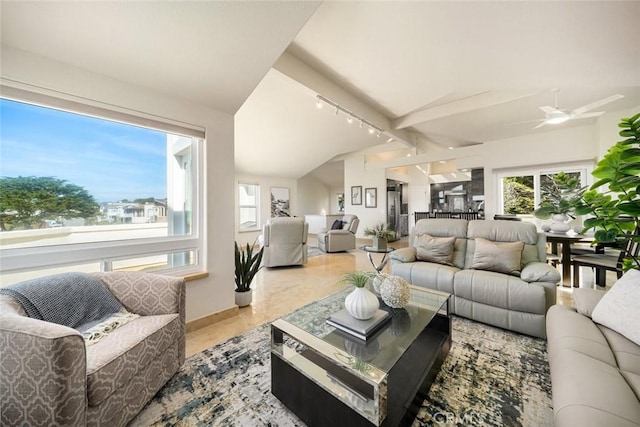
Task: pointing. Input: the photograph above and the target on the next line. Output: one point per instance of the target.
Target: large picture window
(520, 191)
(81, 189)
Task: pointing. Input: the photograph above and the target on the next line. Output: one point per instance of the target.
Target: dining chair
(609, 260)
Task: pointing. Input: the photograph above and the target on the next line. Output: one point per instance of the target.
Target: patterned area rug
(490, 378)
(314, 251)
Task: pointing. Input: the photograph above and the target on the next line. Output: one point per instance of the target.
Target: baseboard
(210, 319)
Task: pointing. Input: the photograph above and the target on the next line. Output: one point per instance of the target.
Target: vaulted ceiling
(431, 74)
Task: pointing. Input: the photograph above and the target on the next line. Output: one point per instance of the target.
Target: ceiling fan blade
(588, 115)
(544, 122)
(548, 109)
(526, 121)
(581, 110)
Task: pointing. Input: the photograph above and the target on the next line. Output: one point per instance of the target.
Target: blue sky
(110, 160)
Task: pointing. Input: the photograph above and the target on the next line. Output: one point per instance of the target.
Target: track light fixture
(350, 115)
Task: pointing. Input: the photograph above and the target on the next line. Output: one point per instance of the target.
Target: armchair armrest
(539, 272)
(403, 255)
(146, 294)
(41, 364)
(338, 232)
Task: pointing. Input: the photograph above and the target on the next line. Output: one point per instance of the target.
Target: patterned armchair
(48, 376)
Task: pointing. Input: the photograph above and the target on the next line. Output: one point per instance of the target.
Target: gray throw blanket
(76, 300)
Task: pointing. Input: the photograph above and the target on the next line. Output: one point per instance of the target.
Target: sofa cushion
(589, 387)
(497, 256)
(499, 290)
(444, 228)
(570, 330)
(585, 300)
(619, 308)
(115, 359)
(435, 249)
(626, 352)
(427, 274)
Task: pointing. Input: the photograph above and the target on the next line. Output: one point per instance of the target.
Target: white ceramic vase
(361, 304)
(559, 224)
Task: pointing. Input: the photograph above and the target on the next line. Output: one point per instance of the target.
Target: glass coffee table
(328, 377)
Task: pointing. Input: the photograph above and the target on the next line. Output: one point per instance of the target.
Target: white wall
(204, 296)
(356, 175)
(265, 183)
(608, 128)
(574, 144)
(314, 196)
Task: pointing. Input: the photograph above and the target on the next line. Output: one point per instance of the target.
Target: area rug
(491, 377)
(314, 251)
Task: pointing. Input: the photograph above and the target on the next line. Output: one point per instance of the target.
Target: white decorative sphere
(395, 292)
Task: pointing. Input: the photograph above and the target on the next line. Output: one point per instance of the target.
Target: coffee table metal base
(408, 383)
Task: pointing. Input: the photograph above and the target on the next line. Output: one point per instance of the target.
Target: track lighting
(350, 115)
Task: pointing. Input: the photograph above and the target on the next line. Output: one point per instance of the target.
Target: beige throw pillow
(497, 256)
(435, 249)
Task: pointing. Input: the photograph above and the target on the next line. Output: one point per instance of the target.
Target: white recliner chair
(285, 242)
(339, 239)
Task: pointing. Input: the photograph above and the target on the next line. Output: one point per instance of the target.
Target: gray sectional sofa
(514, 297)
(595, 371)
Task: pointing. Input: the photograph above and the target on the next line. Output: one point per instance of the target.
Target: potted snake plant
(247, 266)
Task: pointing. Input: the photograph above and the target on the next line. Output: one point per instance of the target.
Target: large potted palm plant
(247, 266)
(615, 211)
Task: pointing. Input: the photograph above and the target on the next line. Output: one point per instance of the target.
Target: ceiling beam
(464, 105)
(297, 70)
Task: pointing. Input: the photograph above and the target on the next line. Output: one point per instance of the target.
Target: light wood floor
(278, 291)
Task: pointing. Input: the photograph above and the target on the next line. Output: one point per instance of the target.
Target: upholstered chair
(339, 239)
(51, 376)
(285, 242)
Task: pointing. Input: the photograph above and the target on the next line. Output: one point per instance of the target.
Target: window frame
(17, 260)
(256, 206)
(584, 169)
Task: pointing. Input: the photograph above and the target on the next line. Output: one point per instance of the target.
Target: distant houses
(134, 213)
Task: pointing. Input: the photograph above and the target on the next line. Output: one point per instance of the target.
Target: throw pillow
(497, 256)
(435, 249)
(337, 225)
(619, 308)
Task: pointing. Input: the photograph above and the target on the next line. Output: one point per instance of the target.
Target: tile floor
(278, 291)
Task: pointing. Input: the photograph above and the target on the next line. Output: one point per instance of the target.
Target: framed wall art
(280, 202)
(356, 195)
(371, 198)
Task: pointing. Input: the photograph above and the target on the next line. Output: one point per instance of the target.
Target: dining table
(565, 241)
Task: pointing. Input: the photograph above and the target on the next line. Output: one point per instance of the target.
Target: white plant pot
(361, 304)
(559, 224)
(243, 299)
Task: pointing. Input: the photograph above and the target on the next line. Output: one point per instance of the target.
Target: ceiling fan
(555, 115)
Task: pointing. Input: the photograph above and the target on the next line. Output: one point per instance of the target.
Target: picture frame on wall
(371, 198)
(280, 202)
(356, 195)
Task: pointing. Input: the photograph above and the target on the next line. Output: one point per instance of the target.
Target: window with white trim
(249, 206)
(85, 188)
(519, 190)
